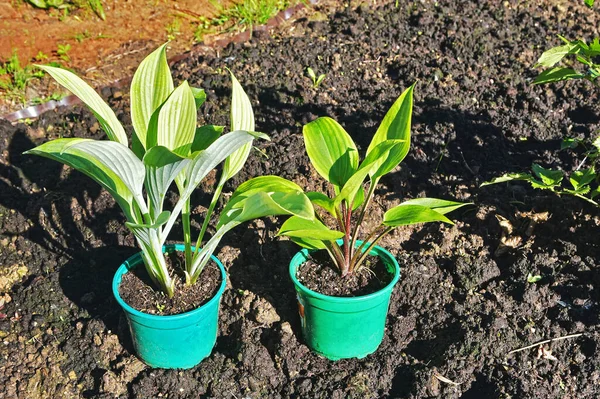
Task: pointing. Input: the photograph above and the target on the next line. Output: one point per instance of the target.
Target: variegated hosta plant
(334, 155)
(167, 147)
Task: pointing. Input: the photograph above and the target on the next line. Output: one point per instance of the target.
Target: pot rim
(378, 251)
(134, 260)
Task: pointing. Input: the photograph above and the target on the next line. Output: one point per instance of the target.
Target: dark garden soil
(321, 275)
(462, 304)
(138, 291)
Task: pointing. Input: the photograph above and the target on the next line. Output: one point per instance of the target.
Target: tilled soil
(461, 305)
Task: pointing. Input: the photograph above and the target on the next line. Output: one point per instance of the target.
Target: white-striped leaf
(207, 160)
(111, 164)
(177, 121)
(242, 118)
(151, 85)
(106, 116)
(162, 166)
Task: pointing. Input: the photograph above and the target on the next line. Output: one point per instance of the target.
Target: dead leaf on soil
(444, 379)
(545, 353)
(507, 241)
(534, 219)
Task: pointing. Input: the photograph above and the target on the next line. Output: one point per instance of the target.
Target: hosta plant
(166, 147)
(584, 181)
(335, 157)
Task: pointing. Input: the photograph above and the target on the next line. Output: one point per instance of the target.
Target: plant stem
(370, 247)
(209, 212)
(334, 251)
(187, 238)
(345, 266)
(361, 216)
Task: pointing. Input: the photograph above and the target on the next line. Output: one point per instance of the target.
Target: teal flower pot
(344, 327)
(173, 342)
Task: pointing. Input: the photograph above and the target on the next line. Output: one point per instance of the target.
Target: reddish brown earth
(101, 51)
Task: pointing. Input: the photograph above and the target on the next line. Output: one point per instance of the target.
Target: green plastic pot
(173, 342)
(344, 327)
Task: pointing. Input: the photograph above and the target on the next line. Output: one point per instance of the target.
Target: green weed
(66, 6)
(14, 78)
(240, 17)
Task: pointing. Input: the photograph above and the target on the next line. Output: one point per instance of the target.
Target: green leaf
(323, 201)
(201, 164)
(395, 126)
(596, 143)
(263, 204)
(557, 74)
(242, 118)
(199, 96)
(308, 229)
(438, 205)
(311, 73)
(38, 3)
(267, 183)
(533, 279)
(106, 117)
(111, 164)
(403, 215)
(589, 3)
(205, 136)
(331, 150)
(151, 86)
(205, 161)
(176, 125)
(379, 153)
(553, 56)
(283, 197)
(160, 220)
(352, 188)
(569, 143)
(582, 178)
(96, 6)
(550, 178)
(320, 79)
(162, 166)
(509, 177)
(308, 243)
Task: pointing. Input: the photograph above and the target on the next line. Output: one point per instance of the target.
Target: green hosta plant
(583, 182)
(166, 147)
(585, 54)
(335, 157)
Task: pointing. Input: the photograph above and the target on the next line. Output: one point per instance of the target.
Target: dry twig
(544, 342)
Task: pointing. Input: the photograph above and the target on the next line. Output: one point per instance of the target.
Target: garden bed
(463, 301)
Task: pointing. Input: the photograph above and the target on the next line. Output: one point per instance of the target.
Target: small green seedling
(63, 52)
(531, 279)
(167, 147)
(316, 80)
(335, 157)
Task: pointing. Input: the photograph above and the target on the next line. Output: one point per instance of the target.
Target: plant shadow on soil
(86, 276)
